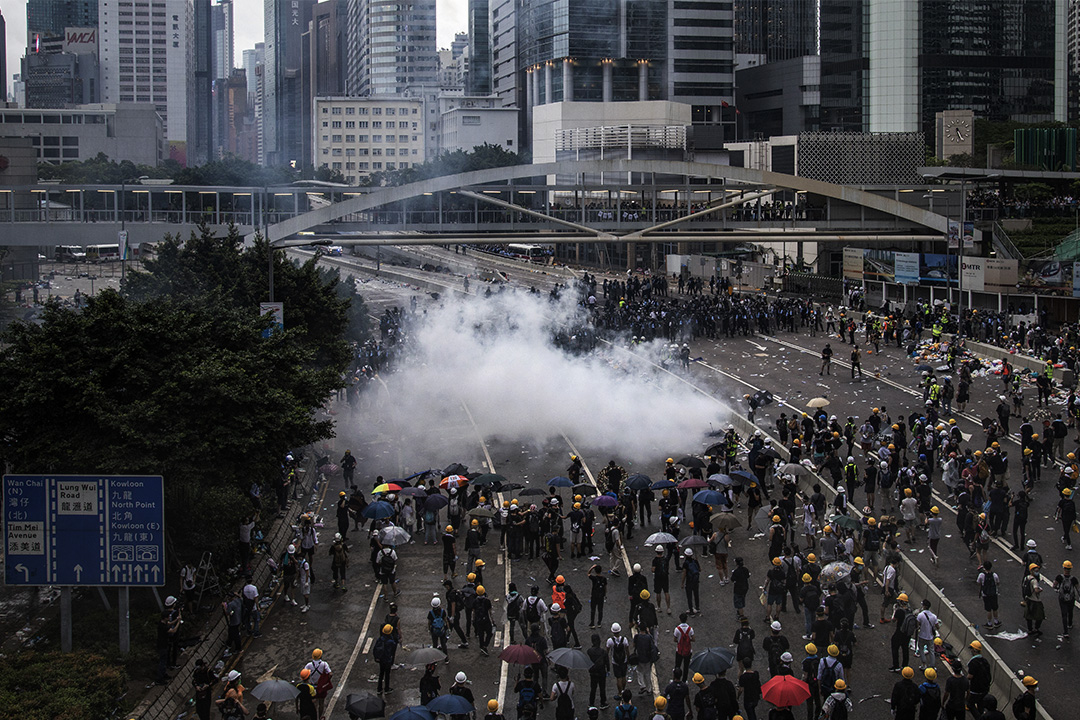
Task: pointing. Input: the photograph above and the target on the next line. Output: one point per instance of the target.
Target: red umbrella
(454, 481)
(785, 691)
(519, 655)
(692, 484)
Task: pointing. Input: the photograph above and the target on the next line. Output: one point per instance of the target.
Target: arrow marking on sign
(24, 570)
(155, 571)
(78, 573)
(138, 573)
(116, 573)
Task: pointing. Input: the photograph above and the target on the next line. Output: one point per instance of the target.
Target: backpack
(683, 644)
(910, 625)
(827, 676)
(468, 596)
(1067, 590)
(429, 517)
(532, 610)
(693, 571)
(437, 622)
(625, 712)
(618, 652)
(989, 585)
(513, 607)
(609, 540)
(839, 711)
(564, 705)
(984, 535)
(288, 566)
(454, 507)
(386, 563)
(379, 652)
(527, 696)
(534, 523)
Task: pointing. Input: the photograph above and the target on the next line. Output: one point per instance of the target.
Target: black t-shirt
(750, 682)
(676, 693)
(660, 567)
(448, 545)
(599, 587)
(740, 577)
(822, 631)
(957, 688)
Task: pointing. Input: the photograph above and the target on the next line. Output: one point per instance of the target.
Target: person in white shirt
(928, 625)
(909, 511)
(318, 669)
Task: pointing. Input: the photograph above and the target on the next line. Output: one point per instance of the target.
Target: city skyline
(452, 18)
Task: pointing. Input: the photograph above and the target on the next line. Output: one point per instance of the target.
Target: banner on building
(938, 269)
(973, 274)
(853, 263)
(907, 268)
(954, 235)
(1000, 274)
(878, 265)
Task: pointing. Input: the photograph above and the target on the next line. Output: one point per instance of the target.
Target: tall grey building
(325, 43)
(777, 29)
(3, 58)
(48, 18)
(201, 149)
(478, 81)
(284, 24)
(391, 47)
(252, 57)
(843, 66)
(221, 27)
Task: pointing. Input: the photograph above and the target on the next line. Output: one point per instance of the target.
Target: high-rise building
(777, 29)
(61, 79)
(892, 65)
(1072, 39)
(146, 57)
(221, 27)
(478, 80)
(284, 24)
(3, 58)
(201, 149)
(252, 57)
(325, 43)
(391, 47)
(505, 81)
(49, 18)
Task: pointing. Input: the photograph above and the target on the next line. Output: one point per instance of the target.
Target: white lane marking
(360, 641)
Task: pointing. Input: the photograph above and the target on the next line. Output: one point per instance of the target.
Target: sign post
(85, 530)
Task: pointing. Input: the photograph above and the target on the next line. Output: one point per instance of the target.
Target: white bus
(529, 251)
(70, 253)
(102, 253)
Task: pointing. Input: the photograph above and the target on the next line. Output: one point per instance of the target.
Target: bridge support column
(642, 80)
(547, 83)
(631, 256)
(567, 80)
(609, 93)
(536, 87)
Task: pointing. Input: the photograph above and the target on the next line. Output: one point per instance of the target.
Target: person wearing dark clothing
(430, 686)
(598, 673)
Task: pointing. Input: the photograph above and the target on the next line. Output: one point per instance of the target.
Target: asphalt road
(342, 624)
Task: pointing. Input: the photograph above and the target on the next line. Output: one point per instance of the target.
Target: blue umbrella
(664, 484)
(560, 482)
(416, 712)
(743, 475)
(721, 480)
(708, 497)
(378, 510)
(450, 705)
(637, 481)
(605, 501)
(436, 502)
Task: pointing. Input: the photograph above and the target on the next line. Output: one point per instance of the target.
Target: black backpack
(693, 571)
(387, 563)
(564, 705)
(839, 711)
(827, 676)
(618, 652)
(532, 610)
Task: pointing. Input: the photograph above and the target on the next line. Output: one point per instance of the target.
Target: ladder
(206, 579)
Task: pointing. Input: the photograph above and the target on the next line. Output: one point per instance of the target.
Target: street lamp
(122, 240)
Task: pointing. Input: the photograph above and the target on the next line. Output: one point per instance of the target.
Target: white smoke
(496, 355)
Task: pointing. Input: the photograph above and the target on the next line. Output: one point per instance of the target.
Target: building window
(335, 111)
(350, 110)
(350, 124)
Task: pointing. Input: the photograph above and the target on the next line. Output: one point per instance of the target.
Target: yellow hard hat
(776, 518)
(908, 673)
(1030, 681)
(930, 674)
(934, 510)
(493, 705)
(811, 558)
(699, 679)
(474, 522)
(902, 597)
(577, 506)
(559, 580)
(840, 685)
(811, 649)
(387, 629)
(828, 528)
(776, 561)
(872, 521)
(449, 528)
(859, 561)
(806, 577)
(975, 645)
(316, 654)
(305, 674)
(1033, 566)
(471, 577)
(907, 493)
(479, 563)
(834, 651)
(480, 590)
(660, 703)
(644, 595)
(341, 494)
(1067, 564)
(671, 460)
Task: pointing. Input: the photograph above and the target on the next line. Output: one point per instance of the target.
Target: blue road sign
(84, 530)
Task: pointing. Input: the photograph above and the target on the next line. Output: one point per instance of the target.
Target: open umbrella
(510, 486)
(454, 481)
(721, 480)
(489, 479)
(771, 452)
(585, 489)
(275, 690)
(691, 462)
(742, 475)
(450, 705)
(386, 488)
(818, 402)
(425, 656)
(795, 469)
(835, 571)
(708, 497)
(532, 491)
(923, 368)
(661, 538)
(605, 501)
(785, 691)
(519, 655)
(560, 482)
(637, 481)
(692, 540)
(725, 521)
(436, 502)
(413, 491)
(664, 484)
(570, 659)
(482, 512)
(361, 706)
(763, 519)
(712, 661)
(414, 712)
(692, 484)
(763, 397)
(455, 469)
(378, 510)
(844, 522)
(394, 535)
(716, 449)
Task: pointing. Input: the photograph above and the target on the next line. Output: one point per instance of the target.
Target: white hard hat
(170, 601)
(850, 459)
(616, 628)
(883, 464)
(1031, 543)
(659, 549)
(556, 607)
(337, 536)
(291, 549)
(233, 676)
(460, 677)
(637, 567)
(436, 602)
(673, 519)
(688, 552)
(786, 657)
(833, 417)
(776, 625)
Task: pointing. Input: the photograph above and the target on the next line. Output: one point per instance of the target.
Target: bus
(69, 253)
(102, 253)
(529, 251)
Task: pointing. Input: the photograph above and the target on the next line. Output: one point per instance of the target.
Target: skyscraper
(146, 57)
(3, 58)
(478, 81)
(843, 66)
(201, 149)
(391, 47)
(251, 58)
(221, 25)
(777, 29)
(284, 23)
(48, 18)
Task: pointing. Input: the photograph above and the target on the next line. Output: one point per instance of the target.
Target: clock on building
(957, 130)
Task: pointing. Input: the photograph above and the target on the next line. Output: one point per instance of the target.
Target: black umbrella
(770, 452)
(763, 397)
(923, 368)
(584, 489)
(637, 481)
(364, 705)
(533, 491)
(509, 486)
(455, 469)
(716, 449)
(691, 462)
(712, 661)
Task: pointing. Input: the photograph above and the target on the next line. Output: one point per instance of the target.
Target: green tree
(58, 686)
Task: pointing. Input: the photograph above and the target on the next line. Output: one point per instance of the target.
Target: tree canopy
(179, 375)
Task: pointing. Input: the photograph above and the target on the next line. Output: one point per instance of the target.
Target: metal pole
(125, 621)
(960, 261)
(65, 619)
(269, 247)
(123, 229)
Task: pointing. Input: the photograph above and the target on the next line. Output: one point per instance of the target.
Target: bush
(59, 686)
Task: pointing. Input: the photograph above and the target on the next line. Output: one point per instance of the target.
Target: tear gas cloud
(496, 354)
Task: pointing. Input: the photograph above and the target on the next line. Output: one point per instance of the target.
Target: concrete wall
(550, 118)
